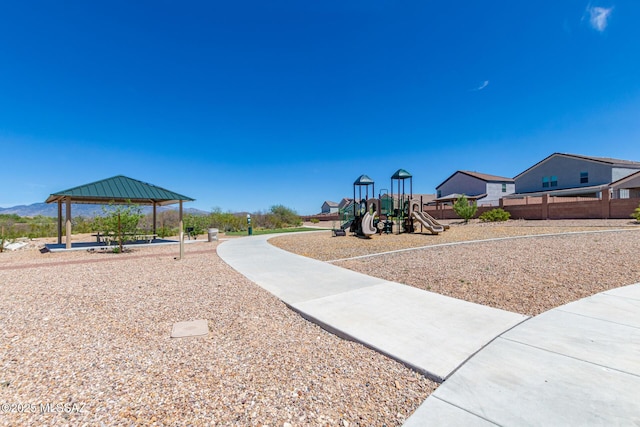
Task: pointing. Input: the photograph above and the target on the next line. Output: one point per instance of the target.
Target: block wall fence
(547, 207)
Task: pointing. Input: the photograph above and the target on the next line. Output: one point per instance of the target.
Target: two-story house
(573, 175)
(486, 189)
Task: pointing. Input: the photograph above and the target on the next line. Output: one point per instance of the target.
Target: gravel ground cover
(324, 247)
(92, 330)
(527, 275)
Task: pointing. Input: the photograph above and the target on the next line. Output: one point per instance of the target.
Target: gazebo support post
(181, 225)
(59, 221)
(154, 217)
(68, 222)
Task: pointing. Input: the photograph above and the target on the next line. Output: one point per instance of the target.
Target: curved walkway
(432, 333)
(577, 364)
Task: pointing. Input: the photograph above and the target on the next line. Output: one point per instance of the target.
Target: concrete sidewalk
(578, 364)
(431, 333)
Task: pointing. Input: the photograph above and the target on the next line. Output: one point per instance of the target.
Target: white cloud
(482, 86)
(599, 17)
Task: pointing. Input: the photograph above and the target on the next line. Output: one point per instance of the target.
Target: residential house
(346, 201)
(627, 187)
(329, 207)
(563, 174)
(486, 189)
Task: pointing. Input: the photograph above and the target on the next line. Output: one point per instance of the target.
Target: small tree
(464, 209)
(119, 221)
(282, 216)
(636, 214)
(3, 239)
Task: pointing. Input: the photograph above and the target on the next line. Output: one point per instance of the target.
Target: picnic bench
(109, 238)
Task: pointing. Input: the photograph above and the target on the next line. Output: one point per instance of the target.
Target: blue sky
(243, 105)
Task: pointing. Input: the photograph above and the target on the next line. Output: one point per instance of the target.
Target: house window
(504, 188)
(439, 193)
(584, 177)
(549, 181)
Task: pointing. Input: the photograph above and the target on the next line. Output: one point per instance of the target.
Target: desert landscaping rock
(92, 329)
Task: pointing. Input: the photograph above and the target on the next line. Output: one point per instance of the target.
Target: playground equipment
(425, 220)
(391, 211)
(363, 210)
(401, 202)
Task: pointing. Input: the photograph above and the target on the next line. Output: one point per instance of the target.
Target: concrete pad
(437, 413)
(605, 306)
(290, 277)
(15, 246)
(432, 333)
(193, 328)
(592, 340)
(512, 384)
(630, 291)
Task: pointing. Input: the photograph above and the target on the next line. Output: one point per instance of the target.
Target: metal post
(154, 218)
(68, 222)
(250, 229)
(181, 225)
(59, 221)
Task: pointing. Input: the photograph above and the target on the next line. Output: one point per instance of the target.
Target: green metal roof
(401, 174)
(363, 180)
(119, 189)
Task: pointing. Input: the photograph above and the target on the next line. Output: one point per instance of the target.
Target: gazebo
(119, 190)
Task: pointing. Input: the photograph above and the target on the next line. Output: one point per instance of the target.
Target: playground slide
(367, 225)
(426, 222)
(347, 225)
(434, 221)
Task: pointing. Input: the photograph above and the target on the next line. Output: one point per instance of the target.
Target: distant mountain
(77, 209)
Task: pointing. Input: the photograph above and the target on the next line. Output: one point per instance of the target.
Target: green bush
(495, 215)
(119, 221)
(165, 231)
(198, 222)
(315, 220)
(636, 214)
(227, 221)
(464, 209)
(281, 217)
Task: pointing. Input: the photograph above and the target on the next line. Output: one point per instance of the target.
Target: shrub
(636, 214)
(464, 209)
(279, 216)
(495, 215)
(198, 222)
(227, 221)
(315, 220)
(165, 231)
(282, 216)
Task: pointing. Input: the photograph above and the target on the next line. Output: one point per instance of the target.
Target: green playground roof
(119, 189)
(401, 174)
(363, 180)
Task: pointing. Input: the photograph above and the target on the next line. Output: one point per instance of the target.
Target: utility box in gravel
(213, 234)
(193, 328)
